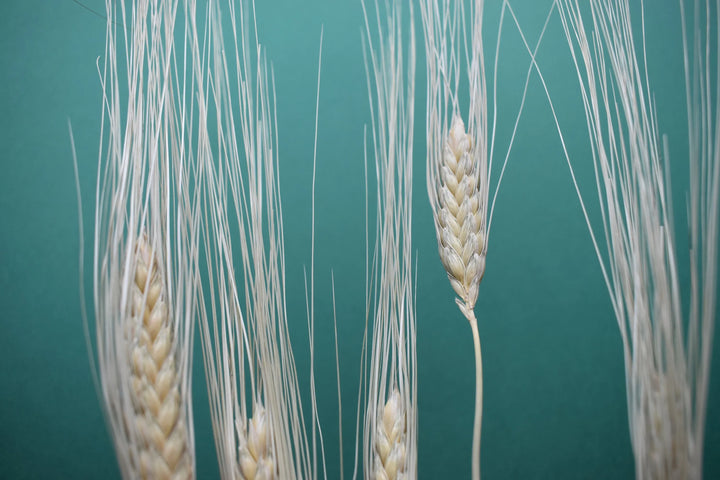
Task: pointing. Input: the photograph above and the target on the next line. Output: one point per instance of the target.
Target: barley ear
(459, 215)
(155, 392)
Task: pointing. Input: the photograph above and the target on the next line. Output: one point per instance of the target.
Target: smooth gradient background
(554, 380)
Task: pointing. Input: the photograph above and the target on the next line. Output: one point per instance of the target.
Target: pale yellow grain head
(162, 436)
(391, 439)
(460, 212)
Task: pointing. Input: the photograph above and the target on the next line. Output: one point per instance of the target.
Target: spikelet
(459, 217)
(390, 441)
(155, 392)
(255, 452)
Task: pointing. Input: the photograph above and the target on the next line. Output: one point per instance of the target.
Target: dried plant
(390, 425)
(460, 157)
(666, 355)
(145, 246)
(255, 405)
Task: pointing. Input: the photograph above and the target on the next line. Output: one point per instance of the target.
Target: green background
(554, 381)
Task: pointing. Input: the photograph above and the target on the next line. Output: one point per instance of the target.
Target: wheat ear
(459, 220)
(391, 440)
(667, 357)
(460, 228)
(253, 388)
(155, 381)
(391, 422)
(145, 243)
(458, 162)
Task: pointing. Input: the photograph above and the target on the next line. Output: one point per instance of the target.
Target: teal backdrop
(555, 404)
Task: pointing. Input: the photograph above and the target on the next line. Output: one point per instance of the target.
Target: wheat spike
(459, 161)
(255, 402)
(459, 220)
(390, 442)
(145, 242)
(155, 382)
(666, 355)
(391, 420)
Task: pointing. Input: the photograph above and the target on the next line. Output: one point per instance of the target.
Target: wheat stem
(477, 423)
